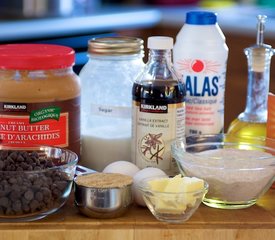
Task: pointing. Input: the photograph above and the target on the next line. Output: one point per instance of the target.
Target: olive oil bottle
(252, 122)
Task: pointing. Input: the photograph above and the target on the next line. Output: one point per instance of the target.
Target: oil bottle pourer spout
(260, 29)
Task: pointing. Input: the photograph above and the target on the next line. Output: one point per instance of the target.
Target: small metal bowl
(98, 202)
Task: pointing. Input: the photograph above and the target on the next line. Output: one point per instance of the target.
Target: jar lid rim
(115, 45)
(35, 56)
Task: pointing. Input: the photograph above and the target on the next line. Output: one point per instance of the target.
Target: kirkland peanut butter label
(54, 123)
(18, 130)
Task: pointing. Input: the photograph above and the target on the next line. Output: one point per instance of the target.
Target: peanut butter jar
(39, 96)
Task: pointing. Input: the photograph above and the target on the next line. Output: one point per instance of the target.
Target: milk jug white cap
(160, 42)
(201, 18)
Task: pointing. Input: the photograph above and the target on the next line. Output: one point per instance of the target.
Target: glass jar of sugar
(107, 80)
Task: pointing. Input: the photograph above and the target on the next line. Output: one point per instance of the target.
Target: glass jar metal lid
(115, 46)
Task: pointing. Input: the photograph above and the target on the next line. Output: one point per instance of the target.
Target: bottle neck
(160, 56)
(257, 88)
(159, 64)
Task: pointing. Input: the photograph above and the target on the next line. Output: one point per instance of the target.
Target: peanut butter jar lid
(35, 56)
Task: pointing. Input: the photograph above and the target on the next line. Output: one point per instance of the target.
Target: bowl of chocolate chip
(34, 182)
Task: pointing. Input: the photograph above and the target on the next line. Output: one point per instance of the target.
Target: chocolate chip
(9, 211)
(2, 164)
(39, 196)
(26, 208)
(56, 193)
(37, 168)
(35, 155)
(4, 182)
(24, 166)
(47, 200)
(11, 167)
(20, 158)
(61, 185)
(13, 155)
(49, 164)
(42, 205)
(17, 206)
(12, 180)
(15, 187)
(14, 195)
(30, 168)
(38, 182)
(4, 154)
(46, 192)
(29, 195)
(19, 169)
(34, 204)
(4, 202)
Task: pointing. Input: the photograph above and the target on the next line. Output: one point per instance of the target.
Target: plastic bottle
(158, 109)
(200, 57)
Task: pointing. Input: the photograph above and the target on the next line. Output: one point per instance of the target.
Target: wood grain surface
(256, 222)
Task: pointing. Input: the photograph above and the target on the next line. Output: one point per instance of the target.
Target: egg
(122, 167)
(139, 176)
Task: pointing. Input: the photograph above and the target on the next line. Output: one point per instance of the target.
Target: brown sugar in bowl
(103, 195)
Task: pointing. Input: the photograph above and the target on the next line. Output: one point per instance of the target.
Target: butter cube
(174, 185)
(191, 185)
(158, 185)
(171, 205)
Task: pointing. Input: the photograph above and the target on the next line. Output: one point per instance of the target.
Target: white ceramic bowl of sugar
(238, 170)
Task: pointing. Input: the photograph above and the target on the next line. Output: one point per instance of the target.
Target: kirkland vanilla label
(153, 108)
(155, 126)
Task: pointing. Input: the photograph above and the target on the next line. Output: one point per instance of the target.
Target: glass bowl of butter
(239, 170)
(173, 200)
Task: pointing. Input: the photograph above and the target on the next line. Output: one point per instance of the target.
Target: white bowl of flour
(238, 172)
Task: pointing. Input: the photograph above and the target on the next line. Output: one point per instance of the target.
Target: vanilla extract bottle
(158, 109)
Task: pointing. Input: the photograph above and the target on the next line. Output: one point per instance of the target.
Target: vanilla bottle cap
(160, 42)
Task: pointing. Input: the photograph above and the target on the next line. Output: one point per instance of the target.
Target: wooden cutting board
(256, 222)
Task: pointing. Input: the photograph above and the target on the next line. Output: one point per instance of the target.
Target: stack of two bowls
(236, 173)
(36, 181)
